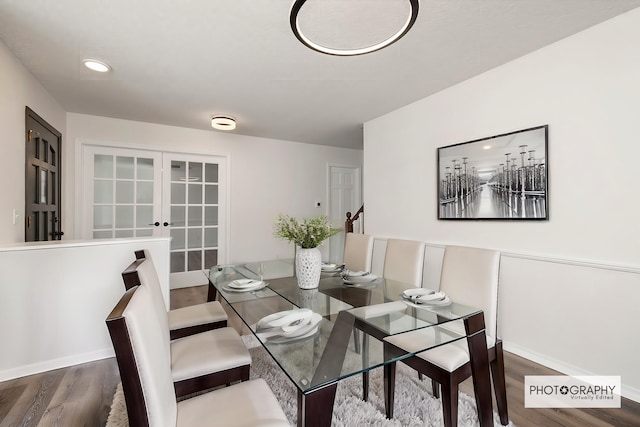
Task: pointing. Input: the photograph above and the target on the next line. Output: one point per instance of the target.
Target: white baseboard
(49, 365)
(628, 392)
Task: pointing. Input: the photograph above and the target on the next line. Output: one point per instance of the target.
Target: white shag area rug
(414, 403)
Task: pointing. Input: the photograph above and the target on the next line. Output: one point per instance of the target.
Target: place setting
(288, 326)
(357, 278)
(244, 285)
(425, 298)
(328, 267)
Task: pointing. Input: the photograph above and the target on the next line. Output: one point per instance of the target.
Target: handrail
(348, 224)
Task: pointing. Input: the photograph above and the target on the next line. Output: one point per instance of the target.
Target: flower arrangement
(307, 233)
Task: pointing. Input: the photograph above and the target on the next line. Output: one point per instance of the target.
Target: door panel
(195, 215)
(344, 196)
(123, 193)
(42, 180)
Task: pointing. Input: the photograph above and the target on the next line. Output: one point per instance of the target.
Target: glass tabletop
(322, 335)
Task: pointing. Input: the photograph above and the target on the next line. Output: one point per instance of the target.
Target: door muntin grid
(123, 196)
(194, 209)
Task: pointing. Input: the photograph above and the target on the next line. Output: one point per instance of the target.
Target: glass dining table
(350, 335)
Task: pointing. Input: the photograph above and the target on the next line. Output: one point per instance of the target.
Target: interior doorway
(42, 180)
(132, 193)
(344, 196)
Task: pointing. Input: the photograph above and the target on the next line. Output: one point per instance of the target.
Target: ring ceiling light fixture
(353, 27)
(95, 65)
(223, 122)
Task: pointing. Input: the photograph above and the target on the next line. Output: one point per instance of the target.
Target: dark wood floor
(81, 395)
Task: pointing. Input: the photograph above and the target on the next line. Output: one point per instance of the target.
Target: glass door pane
(194, 211)
(124, 189)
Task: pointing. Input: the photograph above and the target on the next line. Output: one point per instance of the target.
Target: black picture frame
(502, 177)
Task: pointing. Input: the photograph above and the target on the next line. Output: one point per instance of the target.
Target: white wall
(19, 89)
(267, 176)
(569, 285)
(56, 296)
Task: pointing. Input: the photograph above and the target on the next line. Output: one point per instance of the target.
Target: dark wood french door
(42, 180)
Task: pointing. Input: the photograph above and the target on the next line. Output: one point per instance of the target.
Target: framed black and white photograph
(502, 177)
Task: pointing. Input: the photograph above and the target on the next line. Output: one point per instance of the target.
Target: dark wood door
(42, 180)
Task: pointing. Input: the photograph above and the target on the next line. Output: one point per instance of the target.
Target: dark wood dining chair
(469, 276)
(198, 361)
(183, 321)
(144, 360)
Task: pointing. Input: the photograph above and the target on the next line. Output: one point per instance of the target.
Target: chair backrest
(470, 276)
(143, 356)
(142, 272)
(358, 251)
(404, 261)
(130, 274)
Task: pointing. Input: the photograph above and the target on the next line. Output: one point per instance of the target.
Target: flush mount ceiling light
(349, 28)
(96, 65)
(223, 123)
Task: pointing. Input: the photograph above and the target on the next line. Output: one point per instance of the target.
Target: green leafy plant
(306, 233)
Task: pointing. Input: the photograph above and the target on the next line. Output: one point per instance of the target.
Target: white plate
(355, 280)
(285, 340)
(429, 304)
(244, 283)
(260, 285)
(331, 268)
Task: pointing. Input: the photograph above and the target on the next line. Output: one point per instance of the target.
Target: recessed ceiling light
(223, 123)
(95, 65)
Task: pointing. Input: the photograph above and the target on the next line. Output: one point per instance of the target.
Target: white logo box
(565, 391)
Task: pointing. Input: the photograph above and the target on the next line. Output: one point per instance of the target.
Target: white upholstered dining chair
(144, 360)
(403, 264)
(404, 261)
(358, 251)
(183, 321)
(201, 360)
(469, 276)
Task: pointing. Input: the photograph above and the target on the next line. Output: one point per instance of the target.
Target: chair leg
(449, 404)
(420, 376)
(356, 341)
(435, 389)
(499, 385)
(389, 388)
(245, 373)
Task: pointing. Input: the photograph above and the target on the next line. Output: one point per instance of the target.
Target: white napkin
(245, 283)
(417, 292)
(431, 297)
(288, 324)
(284, 318)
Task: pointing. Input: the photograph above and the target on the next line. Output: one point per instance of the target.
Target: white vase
(307, 298)
(308, 264)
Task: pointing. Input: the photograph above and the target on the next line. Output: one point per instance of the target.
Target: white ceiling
(180, 62)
